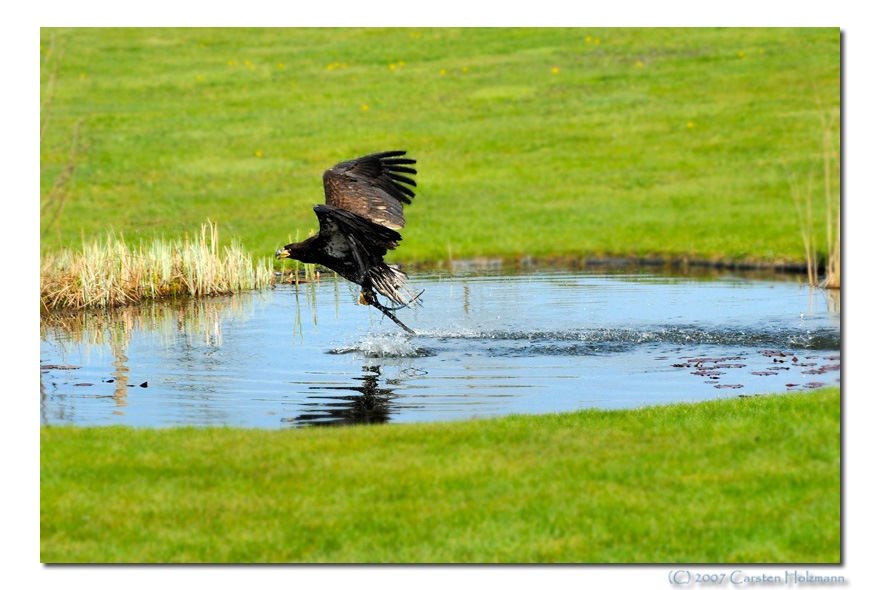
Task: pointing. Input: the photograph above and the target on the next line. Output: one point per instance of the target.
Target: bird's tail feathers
(390, 281)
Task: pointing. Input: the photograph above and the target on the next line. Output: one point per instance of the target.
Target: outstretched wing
(373, 187)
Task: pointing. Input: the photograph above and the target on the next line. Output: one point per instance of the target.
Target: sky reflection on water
(487, 344)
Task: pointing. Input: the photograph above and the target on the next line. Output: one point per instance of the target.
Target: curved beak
(282, 253)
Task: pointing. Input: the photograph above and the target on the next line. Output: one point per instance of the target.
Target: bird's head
(283, 252)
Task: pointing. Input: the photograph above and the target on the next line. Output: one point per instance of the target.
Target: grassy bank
(740, 480)
(645, 142)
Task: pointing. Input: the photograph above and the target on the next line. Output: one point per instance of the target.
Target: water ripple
(589, 341)
(605, 338)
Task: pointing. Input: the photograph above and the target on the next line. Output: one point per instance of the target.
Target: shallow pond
(488, 343)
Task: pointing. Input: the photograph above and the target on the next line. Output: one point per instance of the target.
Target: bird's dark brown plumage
(373, 187)
(359, 223)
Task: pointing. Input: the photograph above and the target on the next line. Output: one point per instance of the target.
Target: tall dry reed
(109, 273)
(802, 193)
(831, 168)
(52, 201)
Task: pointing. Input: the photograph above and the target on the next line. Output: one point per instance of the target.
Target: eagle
(359, 223)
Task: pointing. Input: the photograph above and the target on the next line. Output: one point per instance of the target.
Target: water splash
(394, 345)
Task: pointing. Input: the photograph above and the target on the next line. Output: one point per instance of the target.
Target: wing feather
(403, 179)
(372, 187)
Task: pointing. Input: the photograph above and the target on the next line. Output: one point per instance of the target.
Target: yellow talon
(362, 300)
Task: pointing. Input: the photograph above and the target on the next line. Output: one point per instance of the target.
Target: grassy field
(646, 142)
(741, 480)
(540, 142)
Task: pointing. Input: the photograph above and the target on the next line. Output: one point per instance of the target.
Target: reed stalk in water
(802, 196)
(831, 168)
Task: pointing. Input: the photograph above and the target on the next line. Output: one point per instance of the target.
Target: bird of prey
(359, 223)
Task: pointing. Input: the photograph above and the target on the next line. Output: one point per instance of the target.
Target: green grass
(651, 142)
(739, 480)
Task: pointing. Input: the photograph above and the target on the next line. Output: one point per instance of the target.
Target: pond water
(487, 343)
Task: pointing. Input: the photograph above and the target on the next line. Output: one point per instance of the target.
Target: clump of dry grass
(110, 273)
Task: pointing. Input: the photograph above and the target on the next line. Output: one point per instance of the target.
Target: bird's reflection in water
(367, 404)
